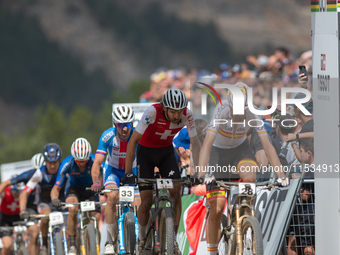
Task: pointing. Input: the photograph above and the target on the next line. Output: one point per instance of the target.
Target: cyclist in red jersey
(154, 135)
(9, 211)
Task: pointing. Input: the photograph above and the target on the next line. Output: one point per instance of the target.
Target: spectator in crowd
(305, 228)
(307, 130)
(286, 125)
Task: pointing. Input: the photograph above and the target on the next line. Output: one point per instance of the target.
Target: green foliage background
(38, 74)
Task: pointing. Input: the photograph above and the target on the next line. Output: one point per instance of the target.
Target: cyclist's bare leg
(110, 211)
(143, 212)
(97, 215)
(247, 172)
(44, 224)
(33, 232)
(72, 216)
(175, 193)
(213, 227)
(137, 202)
(7, 245)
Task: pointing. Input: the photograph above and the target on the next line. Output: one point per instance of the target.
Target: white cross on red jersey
(157, 131)
(9, 204)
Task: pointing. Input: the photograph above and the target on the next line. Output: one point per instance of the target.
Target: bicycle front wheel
(129, 233)
(59, 244)
(90, 240)
(23, 251)
(150, 235)
(167, 231)
(252, 241)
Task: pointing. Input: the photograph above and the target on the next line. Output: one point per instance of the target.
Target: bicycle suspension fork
(50, 230)
(65, 240)
(82, 232)
(95, 225)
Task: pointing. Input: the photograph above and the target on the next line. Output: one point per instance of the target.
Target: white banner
(10, 170)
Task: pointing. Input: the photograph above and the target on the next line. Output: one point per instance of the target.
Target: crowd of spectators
(276, 70)
(261, 72)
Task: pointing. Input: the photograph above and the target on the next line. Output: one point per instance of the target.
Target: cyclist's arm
(196, 146)
(23, 199)
(205, 153)
(272, 156)
(261, 158)
(4, 185)
(130, 151)
(32, 183)
(55, 192)
(95, 172)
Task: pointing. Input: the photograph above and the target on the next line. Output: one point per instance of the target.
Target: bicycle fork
(238, 227)
(95, 224)
(82, 232)
(65, 240)
(50, 231)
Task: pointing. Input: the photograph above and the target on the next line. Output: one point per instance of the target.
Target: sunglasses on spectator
(123, 125)
(80, 161)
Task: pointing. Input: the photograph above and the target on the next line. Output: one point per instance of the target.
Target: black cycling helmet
(52, 152)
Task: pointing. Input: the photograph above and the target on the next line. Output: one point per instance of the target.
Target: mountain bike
(89, 233)
(57, 242)
(126, 218)
(160, 233)
(19, 244)
(241, 233)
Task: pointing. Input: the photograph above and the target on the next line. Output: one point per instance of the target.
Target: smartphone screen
(303, 70)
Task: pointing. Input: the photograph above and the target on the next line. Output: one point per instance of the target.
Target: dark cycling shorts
(224, 161)
(81, 193)
(163, 158)
(7, 221)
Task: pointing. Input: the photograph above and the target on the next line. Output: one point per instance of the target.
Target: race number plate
(164, 184)
(87, 206)
(56, 218)
(126, 194)
(247, 189)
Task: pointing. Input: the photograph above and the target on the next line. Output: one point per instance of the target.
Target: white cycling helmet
(37, 160)
(244, 88)
(123, 114)
(81, 149)
(175, 99)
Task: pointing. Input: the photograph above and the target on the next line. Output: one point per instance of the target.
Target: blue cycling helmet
(18, 187)
(52, 152)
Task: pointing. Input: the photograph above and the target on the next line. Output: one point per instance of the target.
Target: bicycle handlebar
(67, 205)
(146, 181)
(228, 184)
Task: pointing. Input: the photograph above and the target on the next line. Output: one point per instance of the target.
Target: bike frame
(82, 216)
(123, 209)
(56, 228)
(240, 205)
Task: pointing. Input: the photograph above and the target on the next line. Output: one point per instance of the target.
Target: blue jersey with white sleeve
(46, 182)
(25, 177)
(69, 167)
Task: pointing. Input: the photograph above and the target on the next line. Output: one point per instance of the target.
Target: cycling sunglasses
(123, 125)
(80, 161)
